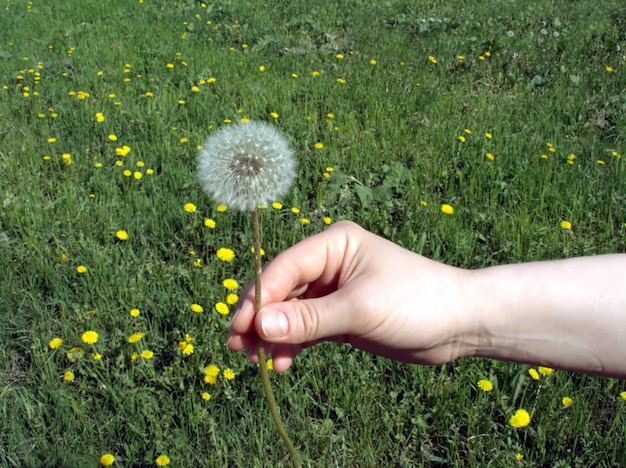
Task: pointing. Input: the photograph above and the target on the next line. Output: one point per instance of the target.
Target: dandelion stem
(265, 379)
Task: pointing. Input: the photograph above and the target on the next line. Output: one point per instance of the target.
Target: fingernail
(274, 324)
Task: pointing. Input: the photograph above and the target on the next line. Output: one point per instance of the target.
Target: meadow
(475, 133)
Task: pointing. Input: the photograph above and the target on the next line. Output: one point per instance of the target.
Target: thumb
(301, 321)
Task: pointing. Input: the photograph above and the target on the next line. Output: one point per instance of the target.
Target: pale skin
(349, 285)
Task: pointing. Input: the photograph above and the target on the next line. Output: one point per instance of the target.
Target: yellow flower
(90, 337)
(121, 235)
(295, 210)
(373, 62)
(230, 284)
(490, 156)
(210, 379)
(225, 254)
(566, 225)
(533, 373)
(567, 402)
(186, 348)
(229, 374)
(211, 369)
(134, 338)
(147, 354)
(123, 151)
(221, 308)
(162, 460)
(488, 135)
(274, 115)
(545, 371)
(112, 137)
(232, 299)
(261, 68)
(134, 356)
(432, 58)
(68, 376)
(99, 117)
(137, 175)
(623, 395)
(206, 396)
(107, 459)
(462, 138)
(127, 173)
(519, 457)
(277, 206)
(270, 364)
(521, 418)
(485, 385)
(319, 145)
(327, 220)
(81, 269)
(447, 209)
(304, 221)
(134, 313)
(209, 223)
(262, 251)
(197, 308)
(190, 208)
(96, 356)
(55, 343)
(75, 354)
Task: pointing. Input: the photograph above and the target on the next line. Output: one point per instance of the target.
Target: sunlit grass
(475, 135)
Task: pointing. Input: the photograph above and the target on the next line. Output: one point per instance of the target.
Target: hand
(346, 284)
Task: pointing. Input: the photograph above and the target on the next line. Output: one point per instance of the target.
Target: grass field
(511, 112)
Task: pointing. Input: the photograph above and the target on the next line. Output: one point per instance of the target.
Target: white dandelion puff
(246, 165)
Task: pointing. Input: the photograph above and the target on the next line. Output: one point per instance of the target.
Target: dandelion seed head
(245, 165)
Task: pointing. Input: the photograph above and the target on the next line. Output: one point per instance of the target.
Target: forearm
(568, 314)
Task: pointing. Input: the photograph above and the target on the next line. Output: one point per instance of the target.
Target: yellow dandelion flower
(162, 460)
(107, 459)
(112, 137)
(137, 175)
(206, 396)
(75, 354)
(135, 313)
(55, 343)
(127, 173)
(186, 348)
(447, 209)
(90, 337)
(210, 223)
(490, 156)
(232, 299)
(68, 376)
(229, 374)
(295, 210)
(304, 221)
(533, 373)
(277, 206)
(212, 369)
(197, 308)
(319, 145)
(121, 235)
(99, 117)
(222, 208)
(485, 385)
(135, 337)
(327, 220)
(134, 356)
(567, 402)
(262, 68)
(623, 395)
(190, 208)
(96, 356)
(230, 284)
(210, 379)
(373, 62)
(461, 138)
(521, 418)
(147, 354)
(274, 115)
(225, 254)
(432, 58)
(270, 364)
(221, 308)
(519, 457)
(262, 251)
(81, 269)
(545, 371)
(488, 135)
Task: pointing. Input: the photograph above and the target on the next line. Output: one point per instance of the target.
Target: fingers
(314, 266)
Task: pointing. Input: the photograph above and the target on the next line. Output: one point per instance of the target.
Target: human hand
(349, 285)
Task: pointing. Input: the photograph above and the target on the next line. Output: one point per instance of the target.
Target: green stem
(265, 379)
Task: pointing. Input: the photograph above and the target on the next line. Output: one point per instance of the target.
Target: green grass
(532, 73)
